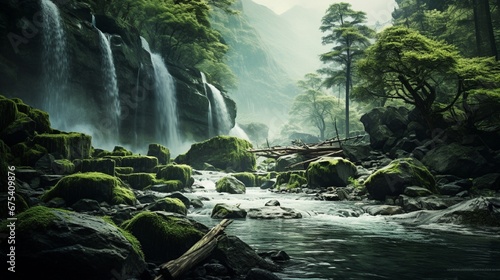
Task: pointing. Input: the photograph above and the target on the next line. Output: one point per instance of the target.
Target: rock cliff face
(83, 105)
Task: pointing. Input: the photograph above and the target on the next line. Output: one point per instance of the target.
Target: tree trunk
(485, 38)
(347, 91)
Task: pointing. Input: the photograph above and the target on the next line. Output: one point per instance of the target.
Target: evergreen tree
(345, 30)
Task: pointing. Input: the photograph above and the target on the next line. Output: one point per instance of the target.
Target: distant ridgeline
(94, 76)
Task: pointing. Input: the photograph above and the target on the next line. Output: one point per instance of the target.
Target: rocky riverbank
(76, 204)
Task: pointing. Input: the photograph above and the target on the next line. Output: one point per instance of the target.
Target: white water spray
(110, 84)
(167, 125)
(55, 64)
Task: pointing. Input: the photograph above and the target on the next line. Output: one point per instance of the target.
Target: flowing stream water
(337, 240)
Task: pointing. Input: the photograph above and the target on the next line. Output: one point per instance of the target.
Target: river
(337, 240)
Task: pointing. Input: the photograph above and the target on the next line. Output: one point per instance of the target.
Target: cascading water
(55, 65)
(167, 131)
(211, 128)
(237, 131)
(110, 86)
(224, 123)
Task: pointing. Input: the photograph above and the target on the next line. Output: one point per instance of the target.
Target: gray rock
(273, 202)
(226, 211)
(384, 210)
(273, 212)
(99, 248)
(416, 191)
(261, 274)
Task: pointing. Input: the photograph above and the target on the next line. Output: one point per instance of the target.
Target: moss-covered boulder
(180, 172)
(163, 238)
(9, 112)
(291, 180)
(166, 186)
(231, 185)
(223, 152)
(226, 211)
(327, 172)
(27, 155)
(20, 130)
(162, 153)
(393, 179)
(138, 181)
(92, 185)
(103, 165)
(248, 178)
(169, 204)
(121, 151)
(100, 249)
(137, 162)
(68, 145)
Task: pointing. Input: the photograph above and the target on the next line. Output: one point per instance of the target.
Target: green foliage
(179, 30)
(403, 64)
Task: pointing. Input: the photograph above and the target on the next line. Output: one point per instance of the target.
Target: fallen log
(196, 254)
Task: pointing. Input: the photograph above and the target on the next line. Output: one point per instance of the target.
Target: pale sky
(376, 10)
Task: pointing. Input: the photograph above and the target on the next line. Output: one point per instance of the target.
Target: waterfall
(224, 123)
(55, 65)
(211, 128)
(110, 86)
(237, 131)
(167, 131)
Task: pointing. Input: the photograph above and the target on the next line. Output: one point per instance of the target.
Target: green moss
(121, 151)
(162, 238)
(103, 165)
(28, 156)
(167, 185)
(38, 217)
(9, 113)
(137, 162)
(181, 172)
(68, 145)
(138, 181)
(63, 166)
(291, 179)
(223, 152)
(160, 152)
(329, 172)
(100, 153)
(41, 119)
(124, 170)
(169, 204)
(249, 179)
(230, 185)
(136, 245)
(393, 178)
(92, 185)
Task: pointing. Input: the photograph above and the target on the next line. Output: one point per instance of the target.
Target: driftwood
(311, 152)
(196, 254)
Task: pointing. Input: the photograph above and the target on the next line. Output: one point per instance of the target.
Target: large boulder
(180, 172)
(223, 152)
(458, 160)
(284, 163)
(385, 123)
(168, 204)
(291, 180)
(60, 244)
(162, 237)
(68, 145)
(92, 185)
(477, 212)
(162, 153)
(226, 211)
(231, 185)
(327, 172)
(393, 179)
